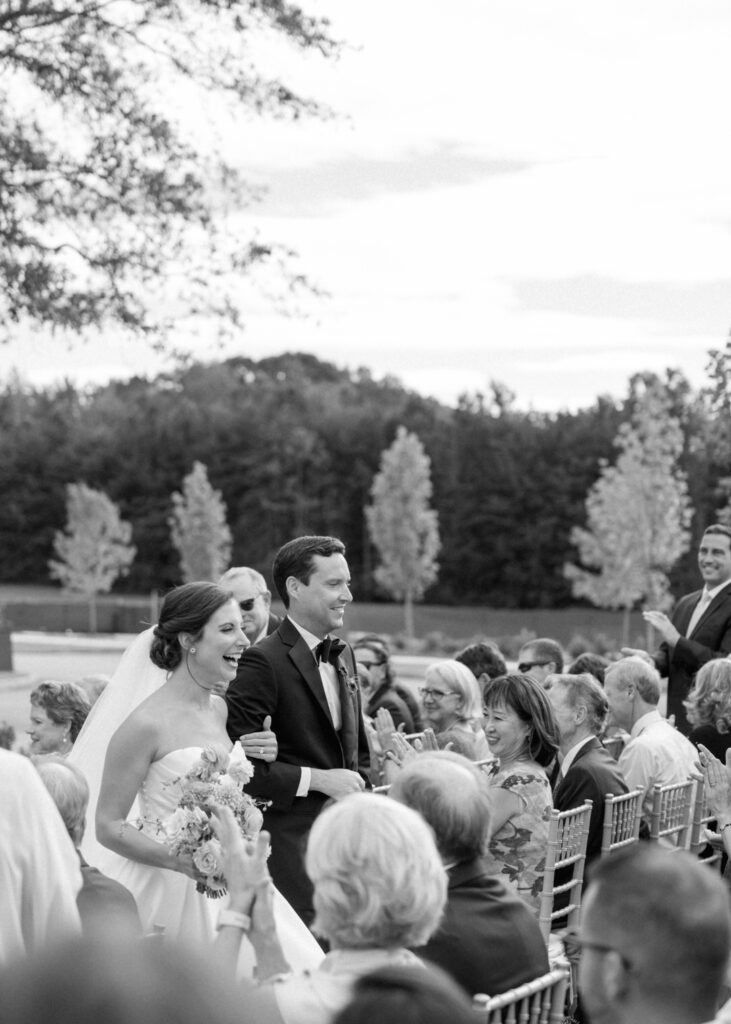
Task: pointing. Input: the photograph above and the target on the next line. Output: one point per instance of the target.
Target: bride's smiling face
(220, 645)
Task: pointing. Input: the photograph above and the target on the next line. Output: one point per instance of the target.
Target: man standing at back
(700, 626)
(252, 595)
(306, 681)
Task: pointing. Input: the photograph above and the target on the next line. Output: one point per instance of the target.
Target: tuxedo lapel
(685, 612)
(301, 656)
(348, 712)
(712, 608)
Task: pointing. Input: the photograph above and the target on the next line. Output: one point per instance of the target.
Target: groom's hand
(336, 782)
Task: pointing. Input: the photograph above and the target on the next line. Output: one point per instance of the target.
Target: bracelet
(233, 919)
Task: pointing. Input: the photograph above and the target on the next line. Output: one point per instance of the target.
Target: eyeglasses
(426, 691)
(368, 664)
(248, 604)
(575, 943)
(526, 666)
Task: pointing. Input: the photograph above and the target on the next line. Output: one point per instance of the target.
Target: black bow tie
(329, 649)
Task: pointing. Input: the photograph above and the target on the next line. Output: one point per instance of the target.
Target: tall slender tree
(638, 514)
(404, 528)
(199, 529)
(95, 547)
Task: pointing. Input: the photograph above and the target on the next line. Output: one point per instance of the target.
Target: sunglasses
(526, 666)
(248, 604)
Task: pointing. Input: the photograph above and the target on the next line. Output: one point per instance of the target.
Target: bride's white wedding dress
(167, 900)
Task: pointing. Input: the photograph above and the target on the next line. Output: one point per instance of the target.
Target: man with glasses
(254, 599)
(540, 658)
(655, 937)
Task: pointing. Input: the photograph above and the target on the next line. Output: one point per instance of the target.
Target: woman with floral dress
(522, 732)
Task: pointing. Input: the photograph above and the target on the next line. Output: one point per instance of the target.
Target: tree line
(293, 444)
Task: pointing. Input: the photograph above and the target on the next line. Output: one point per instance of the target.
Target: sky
(514, 190)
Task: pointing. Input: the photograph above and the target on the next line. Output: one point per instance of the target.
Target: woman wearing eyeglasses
(521, 729)
(451, 706)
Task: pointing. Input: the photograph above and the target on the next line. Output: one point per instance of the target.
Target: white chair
(622, 817)
(671, 816)
(542, 1001)
(702, 818)
(614, 744)
(568, 832)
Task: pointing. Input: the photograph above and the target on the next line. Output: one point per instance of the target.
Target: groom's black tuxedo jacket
(711, 639)
(279, 677)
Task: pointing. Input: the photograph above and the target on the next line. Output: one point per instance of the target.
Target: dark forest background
(293, 444)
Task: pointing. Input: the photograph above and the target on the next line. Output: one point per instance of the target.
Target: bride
(148, 728)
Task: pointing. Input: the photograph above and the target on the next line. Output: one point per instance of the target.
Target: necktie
(329, 649)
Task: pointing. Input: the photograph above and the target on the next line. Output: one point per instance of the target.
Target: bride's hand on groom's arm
(261, 745)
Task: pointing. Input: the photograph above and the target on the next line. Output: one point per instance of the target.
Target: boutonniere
(352, 683)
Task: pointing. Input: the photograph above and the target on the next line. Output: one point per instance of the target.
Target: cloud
(323, 187)
(698, 308)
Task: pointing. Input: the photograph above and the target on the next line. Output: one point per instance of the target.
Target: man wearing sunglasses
(654, 938)
(254, 599)
(540, 658)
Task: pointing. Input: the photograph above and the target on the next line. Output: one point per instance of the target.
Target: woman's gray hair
(379, 880)
(460, 680)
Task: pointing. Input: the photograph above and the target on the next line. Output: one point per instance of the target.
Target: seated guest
(656, 753)
(594, 664)
(522, 732)
(379, 686)
(103, 902)
(655, 937)
(587, 771)
(484, 661)
(57, 712)
(708, 707)
(407, 995)
(540, 658)
(39, 869)
(451, 706)
(488, 939)
(379, 888)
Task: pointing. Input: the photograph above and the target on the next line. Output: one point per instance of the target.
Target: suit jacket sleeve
(252, 696)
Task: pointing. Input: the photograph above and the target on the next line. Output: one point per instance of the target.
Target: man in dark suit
(306, 681)
(250, 590)
(587, 771)
(489, 939)
(699, 628)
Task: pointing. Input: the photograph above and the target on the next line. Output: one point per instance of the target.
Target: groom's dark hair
(295, 558)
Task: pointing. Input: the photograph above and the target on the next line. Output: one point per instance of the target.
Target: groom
(306, 680)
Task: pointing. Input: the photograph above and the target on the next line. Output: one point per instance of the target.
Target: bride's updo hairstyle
(184, 610)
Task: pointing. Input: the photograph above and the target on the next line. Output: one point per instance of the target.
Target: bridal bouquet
(216, 779)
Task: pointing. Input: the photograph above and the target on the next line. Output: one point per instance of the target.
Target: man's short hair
(70, 791)
(719, 528)
(295, 558)
(450, 793)
(237, 571)
(644, 677)
(546, 649)
(668, 916)
(595, 664)
(481, 658)
(584, 689)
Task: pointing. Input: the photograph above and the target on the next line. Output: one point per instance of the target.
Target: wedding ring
(261, 750)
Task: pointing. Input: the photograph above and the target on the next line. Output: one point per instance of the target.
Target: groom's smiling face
(319, 605)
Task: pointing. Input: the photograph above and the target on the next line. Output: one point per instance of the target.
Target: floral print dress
(517, 851)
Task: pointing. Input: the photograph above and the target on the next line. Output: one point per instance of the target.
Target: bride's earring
(192, 650)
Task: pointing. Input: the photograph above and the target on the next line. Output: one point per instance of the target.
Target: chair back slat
(671, 817)
(568, 832)
(542, 1001)
(614, 745)
(622, 816)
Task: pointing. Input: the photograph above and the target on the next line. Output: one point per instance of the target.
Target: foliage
(114, 192)
(95, 548)
(403, 527)
(199, 529)
(638, 513)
